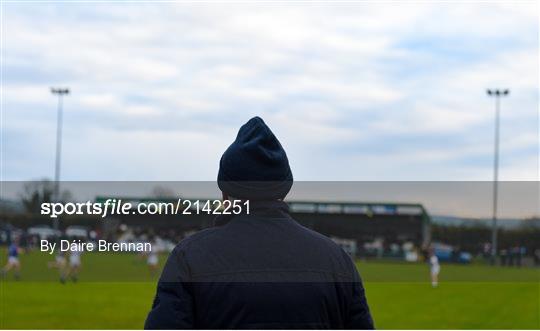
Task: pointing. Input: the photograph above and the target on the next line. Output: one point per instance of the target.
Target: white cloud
(354, 91)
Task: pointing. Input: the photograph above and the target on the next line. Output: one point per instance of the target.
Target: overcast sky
(361, 91)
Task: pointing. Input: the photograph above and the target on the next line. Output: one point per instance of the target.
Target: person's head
(255, 166)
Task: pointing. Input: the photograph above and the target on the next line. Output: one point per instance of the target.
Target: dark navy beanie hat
(255, 166)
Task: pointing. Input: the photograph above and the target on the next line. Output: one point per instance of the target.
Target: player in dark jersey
(13, 262)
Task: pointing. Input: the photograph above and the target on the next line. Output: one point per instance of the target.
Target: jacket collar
(257, 207)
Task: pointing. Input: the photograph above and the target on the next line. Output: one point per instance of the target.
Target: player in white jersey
(74, 264)
(435, 268)
(60, 264)
(152, 260)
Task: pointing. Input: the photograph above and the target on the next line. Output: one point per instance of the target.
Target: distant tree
(39, 191)
(531, 223)
(162, 192)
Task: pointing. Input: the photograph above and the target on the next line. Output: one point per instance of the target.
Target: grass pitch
(115, 291)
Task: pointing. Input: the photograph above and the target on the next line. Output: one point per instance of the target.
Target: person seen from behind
(262, 269)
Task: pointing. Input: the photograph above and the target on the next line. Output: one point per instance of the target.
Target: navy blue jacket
(259, 271)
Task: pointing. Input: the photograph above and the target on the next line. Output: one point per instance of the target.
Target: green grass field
(115, 291)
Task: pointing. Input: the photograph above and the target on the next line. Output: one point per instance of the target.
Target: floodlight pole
(56, 194)
(494, 231)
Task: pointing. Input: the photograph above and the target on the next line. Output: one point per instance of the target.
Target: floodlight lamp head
(59, 90)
